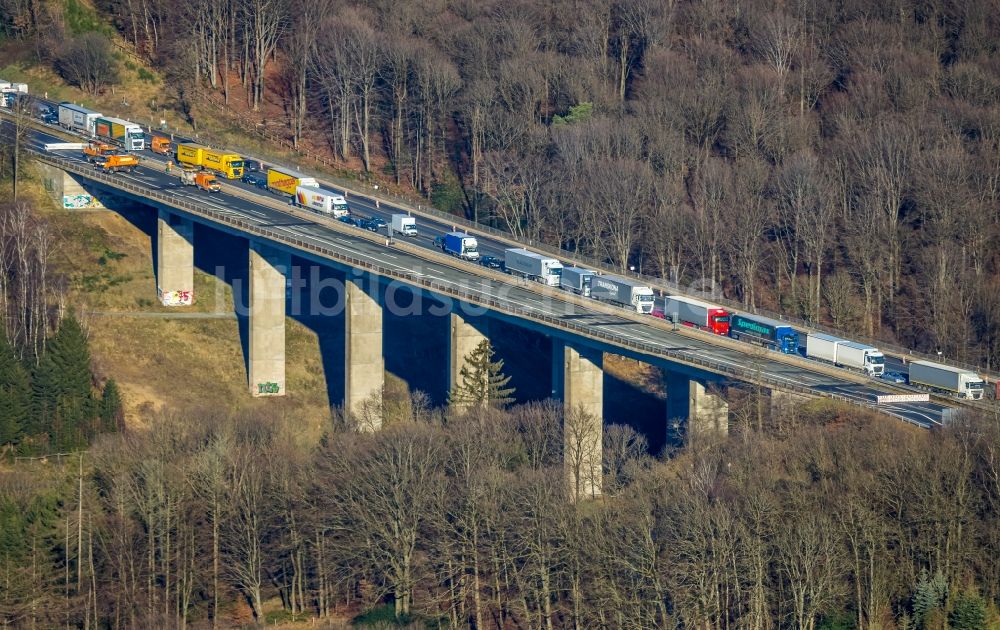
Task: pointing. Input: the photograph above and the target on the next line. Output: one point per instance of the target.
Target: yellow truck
(285, 180)
(229, 165)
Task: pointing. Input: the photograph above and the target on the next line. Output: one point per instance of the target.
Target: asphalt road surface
(468, 277)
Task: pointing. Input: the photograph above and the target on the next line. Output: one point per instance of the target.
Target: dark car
(379, 221)
(491, 262)
(368, 224)
(48, 117)
(260, 181)
(894, 377)
(439, 242)
(348, 219)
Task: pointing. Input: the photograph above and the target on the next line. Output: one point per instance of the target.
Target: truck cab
(875, 363)
(161, 145)
(643, 300)
(207, 182)
(718, 321)
(96, 151)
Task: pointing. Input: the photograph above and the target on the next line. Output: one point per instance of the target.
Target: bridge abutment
(578, 379)
(364, 363)
(67, 191)
(174, 259)
(268, 267)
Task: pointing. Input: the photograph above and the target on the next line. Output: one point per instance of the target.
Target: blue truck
(461, 245)
(770, 333)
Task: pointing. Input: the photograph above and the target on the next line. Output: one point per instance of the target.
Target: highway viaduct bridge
(696, 366)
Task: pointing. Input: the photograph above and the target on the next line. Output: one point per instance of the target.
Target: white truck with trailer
(956, 381)
(577, 280)
(404, 224)
(9, 92)
(76, 118)
(121, 132)
(845, 353)
(532, 266)
(623, 292)
(320, 200)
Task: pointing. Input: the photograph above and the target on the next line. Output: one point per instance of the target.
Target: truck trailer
(114, 163)
(229, 165)
(321, 200)
(121, 132)
(9, 93)
(845, 353)
(404, 224)
(287, 181)
(695, 313)
(767, 332)
(76, 118)
(461, 245)
(190, 153)
(532, 266)
(944, 378)
(623, 292)
(576, 279)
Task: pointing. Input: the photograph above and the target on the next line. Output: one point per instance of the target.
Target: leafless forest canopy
(861, 523)
(840, 160)
(837, 159)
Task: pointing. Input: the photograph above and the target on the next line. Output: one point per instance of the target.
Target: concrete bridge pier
(701, 411)
(268, 269)
(364, 363)
(467, 332)
(174, 259)
(578, 379)
(785, 404)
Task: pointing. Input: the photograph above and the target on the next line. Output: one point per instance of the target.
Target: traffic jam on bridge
(113, 145)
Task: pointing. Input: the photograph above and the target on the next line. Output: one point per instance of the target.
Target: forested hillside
(860, 523)
(837, 160)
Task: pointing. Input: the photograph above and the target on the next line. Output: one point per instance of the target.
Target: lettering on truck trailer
(752, 326)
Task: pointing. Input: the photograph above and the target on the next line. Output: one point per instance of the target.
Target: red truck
(694, 313)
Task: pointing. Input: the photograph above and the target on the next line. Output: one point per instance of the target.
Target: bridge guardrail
(588, 261)
(741, 373)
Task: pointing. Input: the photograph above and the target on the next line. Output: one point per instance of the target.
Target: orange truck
(206, 181)
(118, 162)
(161, 145)
(96, 151)
(202, 179)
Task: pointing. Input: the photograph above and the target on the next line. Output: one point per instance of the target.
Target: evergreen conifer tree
(111, 407)
(930, 595)
(62, 401)
(483, 382)
(15, 395)
(969, 612)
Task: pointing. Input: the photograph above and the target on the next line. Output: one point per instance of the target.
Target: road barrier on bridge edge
(744, 374)
(576, 257)
(898, 398)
